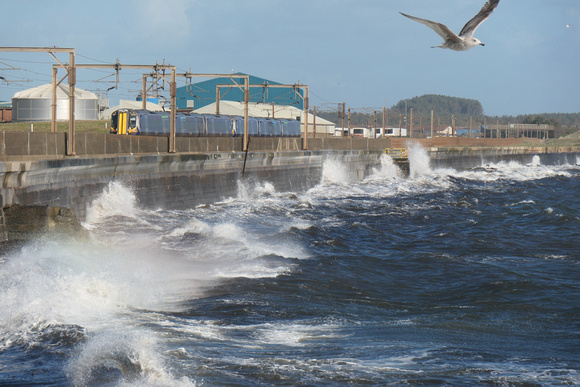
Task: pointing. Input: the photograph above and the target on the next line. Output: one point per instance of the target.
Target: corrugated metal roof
(204, 93)
(45, 92)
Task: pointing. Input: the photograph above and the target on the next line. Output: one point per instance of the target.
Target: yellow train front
(144, 122)
(125, 121)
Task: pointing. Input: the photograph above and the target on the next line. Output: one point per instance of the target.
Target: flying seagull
(465, 40)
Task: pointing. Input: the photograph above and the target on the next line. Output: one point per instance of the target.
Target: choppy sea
(443, 277)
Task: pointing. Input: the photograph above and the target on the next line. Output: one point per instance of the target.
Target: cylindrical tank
(35, 104)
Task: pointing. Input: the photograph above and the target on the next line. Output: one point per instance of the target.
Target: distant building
(5, 111)
(198, 95)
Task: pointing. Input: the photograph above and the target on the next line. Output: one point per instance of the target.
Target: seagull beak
(481, 44)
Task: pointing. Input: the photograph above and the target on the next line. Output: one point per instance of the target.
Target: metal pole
(343, 114)
(217, 101)
(453, 125)
(348, 122)
(314, 122)
(53, 106)
(144, 93)
(173, 92)
(306, 118)
(71, 99)
(470, 125)
(384, 120)
(246, 102)
(432, 133)
(411, 123)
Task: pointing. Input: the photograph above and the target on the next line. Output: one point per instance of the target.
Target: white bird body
(465, 40)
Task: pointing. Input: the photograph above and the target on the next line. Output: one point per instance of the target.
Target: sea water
(442, 277)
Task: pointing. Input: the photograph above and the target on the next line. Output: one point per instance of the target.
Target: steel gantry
(71, 74)
(232, 77)
(156, 67)
(71, 68)
(296, 87)
(245, 88)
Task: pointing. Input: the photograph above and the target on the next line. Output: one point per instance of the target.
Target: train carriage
(218, 125)
(291, 128)
(144, 122)
(154, 124)
(253, 129)
(191, 125)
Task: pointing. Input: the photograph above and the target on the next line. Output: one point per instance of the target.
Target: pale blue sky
(362, 52)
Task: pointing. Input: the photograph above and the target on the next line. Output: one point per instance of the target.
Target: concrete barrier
(345, 143)
(38, 179)
(32, 144)
(157, 180)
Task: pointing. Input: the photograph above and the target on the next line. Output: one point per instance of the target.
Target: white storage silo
(35, 104)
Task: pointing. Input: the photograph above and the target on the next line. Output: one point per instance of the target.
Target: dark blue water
(445, 278)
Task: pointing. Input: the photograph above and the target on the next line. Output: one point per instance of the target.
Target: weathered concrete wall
(469, 157)
(450, 142)
(158, 180)
(345, 143)
(18, 144)
(42, 189)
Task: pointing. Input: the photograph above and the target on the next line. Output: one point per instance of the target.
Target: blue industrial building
(198, 95)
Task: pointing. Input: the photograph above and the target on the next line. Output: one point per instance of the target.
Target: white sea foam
(387, 170)
(252, 190)
(116, 199)
(129, 358)
(193, 226)
(536, 160)
(419, 162)
(335, 172)
(295, 335)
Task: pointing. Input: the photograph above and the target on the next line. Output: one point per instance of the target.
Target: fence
(41, 144)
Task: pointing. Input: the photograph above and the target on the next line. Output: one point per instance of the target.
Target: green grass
(100, 126)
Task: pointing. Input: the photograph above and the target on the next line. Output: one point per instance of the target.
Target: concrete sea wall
(44, 190)
(46, 194)
(469, 157)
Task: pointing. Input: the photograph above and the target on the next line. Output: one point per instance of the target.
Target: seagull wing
(441, 29)
(470, 27)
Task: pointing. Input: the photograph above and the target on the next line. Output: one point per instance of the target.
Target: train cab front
(114, 122)
(124, 122)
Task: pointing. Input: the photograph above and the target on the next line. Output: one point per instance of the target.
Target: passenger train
(144, 122)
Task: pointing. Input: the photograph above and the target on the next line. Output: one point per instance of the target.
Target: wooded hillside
(442, 104)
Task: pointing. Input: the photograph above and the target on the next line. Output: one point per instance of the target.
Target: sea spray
(128, 358)
(419, 163)
(335, 172)
(387, 170)
(116, 199)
